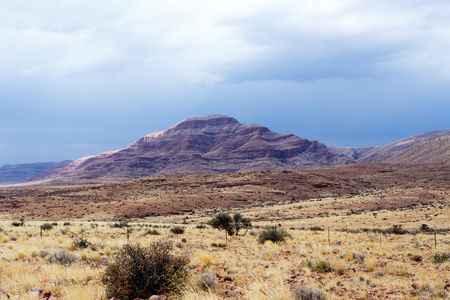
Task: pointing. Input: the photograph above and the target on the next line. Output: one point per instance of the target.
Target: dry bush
(273, 234)
(62, 257)
(308, 293)
(145, 271)
(207, 281)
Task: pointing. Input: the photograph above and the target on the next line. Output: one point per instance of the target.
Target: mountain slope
(16, 173)
(220, 144)
(396, 152)
(214, 144)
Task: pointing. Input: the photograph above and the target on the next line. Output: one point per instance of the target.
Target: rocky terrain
(386, 186)
(220, 144)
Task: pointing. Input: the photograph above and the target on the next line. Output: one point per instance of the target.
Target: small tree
(231, 225)
(177, 230)
(223, 222)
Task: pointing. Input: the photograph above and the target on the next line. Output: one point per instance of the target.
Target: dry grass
(246, 269)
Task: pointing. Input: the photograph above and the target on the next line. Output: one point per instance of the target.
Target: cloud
(204, 41)
(105, 73)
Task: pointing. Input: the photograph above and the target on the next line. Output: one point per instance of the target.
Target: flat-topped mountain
(220, 144)
(213, 144)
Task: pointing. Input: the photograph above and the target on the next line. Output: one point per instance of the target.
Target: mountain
(220, 144)
(16, 173)
(420, 148)
(213, 144)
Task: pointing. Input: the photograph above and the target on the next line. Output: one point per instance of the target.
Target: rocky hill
(220, 144)
(16, 173)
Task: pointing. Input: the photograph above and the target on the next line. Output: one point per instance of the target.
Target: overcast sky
(82, 77)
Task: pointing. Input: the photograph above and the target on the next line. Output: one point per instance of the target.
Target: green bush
(316, 228)
(440, 257)
(80, 243)
(323, 266)
(151, 232)
(46, 226)
(273, 234)
(138, 271)
(307, 293)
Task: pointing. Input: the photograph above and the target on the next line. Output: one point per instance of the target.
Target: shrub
(151, 232)
(145, 271)
(323, 265)
(200, 226)
(207, 281)
(43, 253)
(416, 257)
(80, 243)
(177, 230)
(63, 257)
(273, 234)
(16, 223)
(46, 226)
(307, 293)
(316, 228)
(440, 257)
(397, 229)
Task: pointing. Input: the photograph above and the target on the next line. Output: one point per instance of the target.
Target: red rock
(45, 280)
(440, 294)
(197, 269)
(415, 285)
(46, 294)
(381, 263)
(158, 297)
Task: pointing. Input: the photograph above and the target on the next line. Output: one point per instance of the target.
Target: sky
(81, 77)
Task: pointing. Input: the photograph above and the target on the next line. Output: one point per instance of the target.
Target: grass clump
(207, 281)
(62, 257)
(139, 271)
(308, 293)
(273, 234)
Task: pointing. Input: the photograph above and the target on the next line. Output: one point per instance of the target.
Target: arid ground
(351, 253)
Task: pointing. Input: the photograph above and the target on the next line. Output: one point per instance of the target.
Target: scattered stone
(440, 294)
(158, 297)
(228, 278)
(45, 280)
(36, 289)
(415, 285)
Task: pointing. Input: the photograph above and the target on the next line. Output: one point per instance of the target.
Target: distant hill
(16, 173)
(220, 144)
(420, 148)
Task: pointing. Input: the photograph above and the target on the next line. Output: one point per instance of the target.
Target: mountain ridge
(220, 144)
